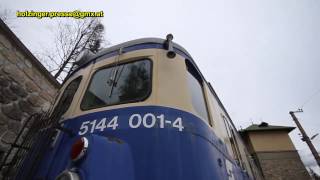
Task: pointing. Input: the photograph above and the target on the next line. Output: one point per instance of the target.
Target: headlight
(68, 175)
(79, 149)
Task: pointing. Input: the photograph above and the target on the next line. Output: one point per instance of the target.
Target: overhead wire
(310, 98)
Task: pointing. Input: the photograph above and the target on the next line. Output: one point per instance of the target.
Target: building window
(196, 91)
(124, 83)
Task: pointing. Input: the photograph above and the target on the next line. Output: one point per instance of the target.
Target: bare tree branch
(71, 38)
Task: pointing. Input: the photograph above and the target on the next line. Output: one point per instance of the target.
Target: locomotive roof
(143, 43)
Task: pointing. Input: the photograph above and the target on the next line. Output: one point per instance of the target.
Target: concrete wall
(271, 141)
(25, 86)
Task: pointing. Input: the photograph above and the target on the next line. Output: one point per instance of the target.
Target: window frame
(209, 105)
(233, 141)
(111, 66)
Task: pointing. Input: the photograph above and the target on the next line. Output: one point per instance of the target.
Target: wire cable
(310, 98)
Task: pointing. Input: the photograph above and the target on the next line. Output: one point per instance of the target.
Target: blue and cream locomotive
(140, 110)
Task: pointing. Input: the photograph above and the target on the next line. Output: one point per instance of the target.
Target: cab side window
(196, 91)
(66, 98)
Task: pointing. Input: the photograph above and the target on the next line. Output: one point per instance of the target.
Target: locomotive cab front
(140, 110)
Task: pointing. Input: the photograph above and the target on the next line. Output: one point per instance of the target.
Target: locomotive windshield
(130, 83)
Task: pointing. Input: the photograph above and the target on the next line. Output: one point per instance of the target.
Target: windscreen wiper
(113, 79)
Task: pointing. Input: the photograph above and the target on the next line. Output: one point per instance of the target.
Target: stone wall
(25, 87)
(285, 165)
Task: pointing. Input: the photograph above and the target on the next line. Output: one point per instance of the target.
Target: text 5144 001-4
(148, 120)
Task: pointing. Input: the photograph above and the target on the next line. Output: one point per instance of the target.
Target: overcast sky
(262, 57)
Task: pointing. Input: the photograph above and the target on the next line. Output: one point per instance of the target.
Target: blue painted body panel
(142, 153)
